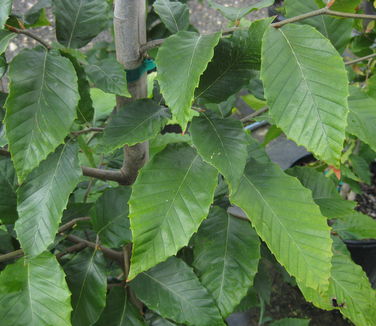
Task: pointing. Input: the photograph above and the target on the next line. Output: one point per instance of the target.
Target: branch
(19, 253)
(29, 34)
(77, 247)
(86, 131)
(367, 57)
(254, 114)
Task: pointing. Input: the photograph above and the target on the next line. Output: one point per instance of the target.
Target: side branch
(29, 34)
(367, 57)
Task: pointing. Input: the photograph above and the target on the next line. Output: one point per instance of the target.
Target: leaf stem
(367, 57)
(29, 34)
(254, 114)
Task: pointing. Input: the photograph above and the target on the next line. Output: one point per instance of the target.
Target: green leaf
(119, 311)
(286, 218)
(8, 187)
(37, 13)
(86, 276)
(41, 106)
(226, 256)
(221, 143)
(160, 142)
(235, 14)
(34, 293)
(306, 89)
(361, 168)
(174, 15)
(181, 60)
(43, 197)
(291, 322)
(109, 217)
(5, 9)
(109, 75)
(170, 199)
(337, 30)
(85, 110)
(355, 226)
(362, 116)
(155, 320)
(174, 291)
(349, 285)
(134, 123)
(345, 5)
(78, 22)
(103, 103)
(5, 38)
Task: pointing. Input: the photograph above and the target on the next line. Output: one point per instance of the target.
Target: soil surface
(367, 200)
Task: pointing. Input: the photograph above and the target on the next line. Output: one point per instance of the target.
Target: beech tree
(107, 218)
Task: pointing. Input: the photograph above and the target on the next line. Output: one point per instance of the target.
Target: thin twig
(29, 34)
(86, 131)
(77, 247)
(11, 255)
(254, 114)
(367, 57)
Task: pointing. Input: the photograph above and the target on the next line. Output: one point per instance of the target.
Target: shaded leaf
(108, 75)
(287, 220)
(41, 106)
(134, 123)
(173, 290)
(306, 89)
(109, 217)
(235, 14)
(37, 12)
(5, 9)
(34, 293)
(8, 187)
(78, 22)
(222, 143)
(170, 199)
(291, 322)
(86, 276)
(5, 38)
(160, 142)
(226, 257)
(175, 15)
(43, 197)
(181, 60)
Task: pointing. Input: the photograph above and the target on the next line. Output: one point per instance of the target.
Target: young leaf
(173, 290)
(109, 75)
(170, 199)
(181, 60)
(287, 220)
(223, 144)
(119, 311)
(306, 88)
(5, 38)
(226, 256)
(34, 292)
(134, 123)
(109, 217)
(337, 30)
(86, 276)
(5, 9)
(349, 287)
(235, 14)
(78, 22)
(175, 15)
(41, 106)
(43, 197)
(362, 116)
(8, 187)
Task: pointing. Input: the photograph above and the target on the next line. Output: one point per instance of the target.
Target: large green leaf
(175, 15)
(119, 311)
(5, 38)
(86, 276)
(286, 218)
(181, 60)
(41, 106)
(349, 286)
(44, 196)
(170, 199)
(8, 187)
(134, 123)
(173, 290)
(362, 117)
(232, 64)
(79, 21)
(34, 293)
(5, 9)
(337, 30)
(234, 14)
(108, 75)
(109, 217)
(223, 144)
(226, 256)
(306, 89)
